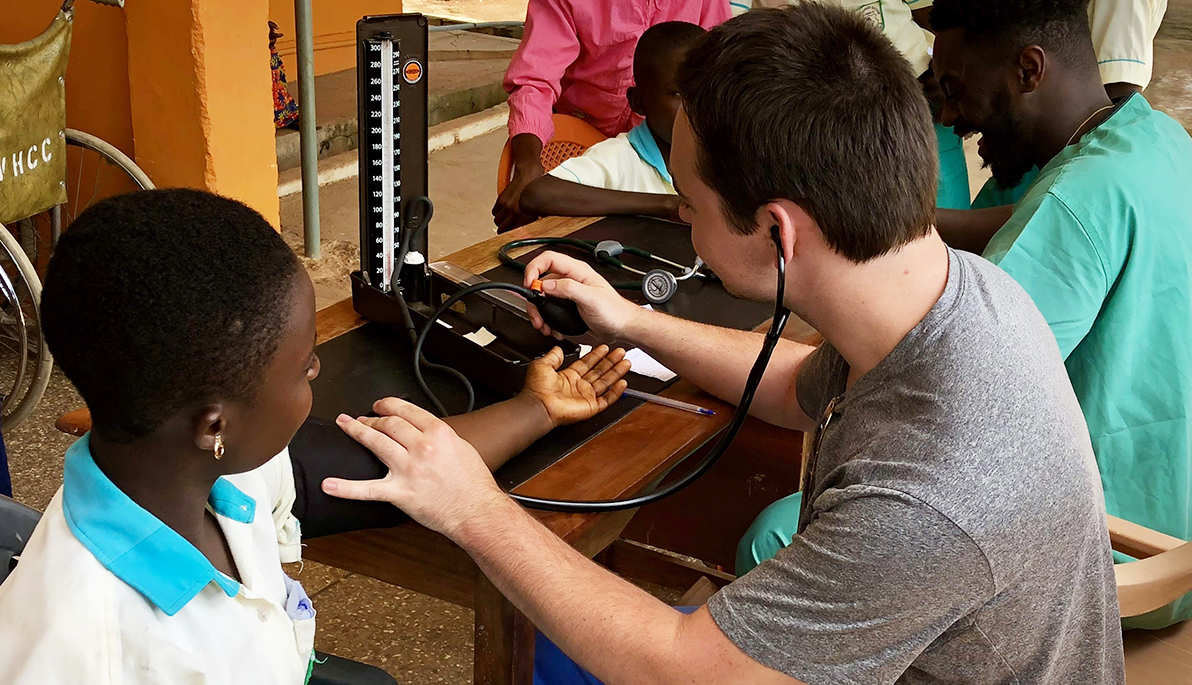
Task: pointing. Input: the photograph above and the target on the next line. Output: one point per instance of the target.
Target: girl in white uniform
(188, 326)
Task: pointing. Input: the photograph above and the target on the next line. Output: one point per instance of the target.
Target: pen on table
(667, 402)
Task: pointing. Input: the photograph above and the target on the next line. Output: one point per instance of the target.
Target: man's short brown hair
(813, 105)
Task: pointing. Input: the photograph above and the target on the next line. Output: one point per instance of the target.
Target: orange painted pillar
(202, 97)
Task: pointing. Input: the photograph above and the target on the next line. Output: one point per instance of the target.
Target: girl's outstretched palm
(580, 391)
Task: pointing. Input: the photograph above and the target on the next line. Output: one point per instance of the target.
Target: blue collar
(133, 544)
(642, 140)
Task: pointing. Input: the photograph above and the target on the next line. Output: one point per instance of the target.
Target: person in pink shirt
(577, 58)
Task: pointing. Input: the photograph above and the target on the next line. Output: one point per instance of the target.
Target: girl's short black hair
(163, 298)
(657, 48)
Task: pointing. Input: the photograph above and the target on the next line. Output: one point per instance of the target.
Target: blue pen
(667, 402)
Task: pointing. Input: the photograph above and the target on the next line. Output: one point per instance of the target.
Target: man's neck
(866, 310)
(1068, 113)
(158, 482)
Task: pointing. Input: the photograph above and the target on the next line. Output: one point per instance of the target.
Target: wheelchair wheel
(97, 170)
(25, 362)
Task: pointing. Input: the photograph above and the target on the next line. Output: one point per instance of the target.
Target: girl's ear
(208, 423)
(634, 96)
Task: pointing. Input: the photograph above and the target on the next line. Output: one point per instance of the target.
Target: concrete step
(464, 74)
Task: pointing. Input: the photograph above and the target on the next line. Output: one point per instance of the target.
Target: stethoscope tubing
(684, 272)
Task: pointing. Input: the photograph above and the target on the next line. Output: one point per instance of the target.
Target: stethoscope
(658, 285)
(563, 316)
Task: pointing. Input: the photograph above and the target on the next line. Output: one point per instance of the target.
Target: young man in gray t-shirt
(954, 530)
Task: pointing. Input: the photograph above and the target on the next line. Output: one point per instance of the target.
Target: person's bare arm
(551, 196)
(503, 430)
(971, 229)
(526, 150)
(612, 628)
(716, 359)
(615, 630)
(550, 399)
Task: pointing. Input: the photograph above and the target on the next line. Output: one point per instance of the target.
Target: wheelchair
(49, 174)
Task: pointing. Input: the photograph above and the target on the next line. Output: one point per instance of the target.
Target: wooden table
(704, 521)
(624, 460)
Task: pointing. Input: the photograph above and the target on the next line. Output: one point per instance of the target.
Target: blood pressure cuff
(320, 449)
(33, 122)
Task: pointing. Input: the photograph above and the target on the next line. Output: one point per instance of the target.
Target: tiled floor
(1161, 657)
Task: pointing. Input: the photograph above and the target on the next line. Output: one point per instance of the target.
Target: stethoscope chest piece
(659, 285)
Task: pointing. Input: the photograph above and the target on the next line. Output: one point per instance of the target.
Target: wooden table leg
(504, 650)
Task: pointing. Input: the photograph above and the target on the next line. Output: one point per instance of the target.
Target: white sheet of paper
(646, 365)
(481, 337)
(584, 349)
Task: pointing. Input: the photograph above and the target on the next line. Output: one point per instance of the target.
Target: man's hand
(435, 476)
(604, 310)
(527, 166)
(582, 390)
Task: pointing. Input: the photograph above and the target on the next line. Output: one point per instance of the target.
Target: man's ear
(208, 422)
(786, 216)
(1031, 68)
(634, 96)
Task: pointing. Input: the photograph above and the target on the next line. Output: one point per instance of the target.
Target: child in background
(576, 58)
(188, 326)
(628, 174)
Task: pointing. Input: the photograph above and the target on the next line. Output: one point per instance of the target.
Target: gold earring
(219, 446)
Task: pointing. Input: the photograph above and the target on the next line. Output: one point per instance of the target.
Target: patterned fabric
(285, 110)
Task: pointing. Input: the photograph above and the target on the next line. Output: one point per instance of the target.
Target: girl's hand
(582, 390)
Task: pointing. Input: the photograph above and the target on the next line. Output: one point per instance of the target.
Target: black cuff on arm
(320, 449)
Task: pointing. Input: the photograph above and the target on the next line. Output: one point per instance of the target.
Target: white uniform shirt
(631, 162)
(1124, 37)
(105, 593)
(892, 17)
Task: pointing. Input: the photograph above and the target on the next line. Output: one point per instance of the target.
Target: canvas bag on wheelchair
(33, 122)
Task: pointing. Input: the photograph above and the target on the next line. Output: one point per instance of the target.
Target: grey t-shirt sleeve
(821, 378)
(875, 578)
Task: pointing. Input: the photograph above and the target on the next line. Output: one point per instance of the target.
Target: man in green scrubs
(1102, 240)
(1123, 37)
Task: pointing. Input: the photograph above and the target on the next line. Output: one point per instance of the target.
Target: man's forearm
(503, 430)
(718, 360)
(551, 196)
(610, 627)
(971, 229)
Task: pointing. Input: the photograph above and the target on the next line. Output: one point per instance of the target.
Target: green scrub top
(952, 192)
(993, 195)
(1102, 241)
